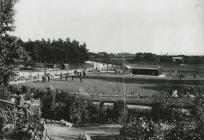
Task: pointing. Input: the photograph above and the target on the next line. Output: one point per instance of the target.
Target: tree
(79, 112)
(11, 53)
(47, 110)
(92, 112)
(139, 129)
(120, 112)
(6, 16)
(101, 113)
(181, 132)
(198, 112)
(11, 56)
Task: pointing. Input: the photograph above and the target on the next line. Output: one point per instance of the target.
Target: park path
(60, 132)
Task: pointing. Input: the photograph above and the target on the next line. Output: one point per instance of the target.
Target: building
(145, 70)
(178, 59)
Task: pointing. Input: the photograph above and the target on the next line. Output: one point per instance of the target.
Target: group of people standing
(76, 74)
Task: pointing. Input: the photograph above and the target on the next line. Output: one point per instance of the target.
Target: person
(48, 78)
(80, 76)
(75, 72)
(66, 77)
(43, 79)
(84, 73)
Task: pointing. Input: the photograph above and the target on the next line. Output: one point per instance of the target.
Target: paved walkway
(60, 132)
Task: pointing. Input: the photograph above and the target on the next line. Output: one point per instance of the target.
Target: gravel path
(60, 132)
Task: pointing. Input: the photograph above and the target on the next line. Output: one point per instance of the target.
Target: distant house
(40, 65)
(177, 58)
(145, 70)
(66, 66)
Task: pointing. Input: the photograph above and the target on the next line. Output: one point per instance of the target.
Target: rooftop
(145, 67)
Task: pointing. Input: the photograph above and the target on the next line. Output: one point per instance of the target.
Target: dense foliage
(57, 105)
(80, 110)
(168, 123)
(11, 53)
(57, 51)
(16, 122)
(19, 124)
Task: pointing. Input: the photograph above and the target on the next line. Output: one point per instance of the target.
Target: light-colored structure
(36, 107)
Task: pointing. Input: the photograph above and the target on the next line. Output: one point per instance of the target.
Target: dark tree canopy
(12, 55)
(6, 16)
(57, 51)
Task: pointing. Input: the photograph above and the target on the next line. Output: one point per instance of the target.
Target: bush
(79, 113)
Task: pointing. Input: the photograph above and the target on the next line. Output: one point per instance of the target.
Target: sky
(157, 26)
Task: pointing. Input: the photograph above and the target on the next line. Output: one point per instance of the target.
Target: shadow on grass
(146, 80)
(169, 87)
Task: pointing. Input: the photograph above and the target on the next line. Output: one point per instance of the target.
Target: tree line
(145, 57)
(57, 51)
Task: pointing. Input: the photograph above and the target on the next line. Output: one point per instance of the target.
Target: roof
(177, 57)
(152, 67)
(145, 68)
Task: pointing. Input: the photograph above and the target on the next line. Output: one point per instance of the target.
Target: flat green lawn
(185, 69)
(96, 86)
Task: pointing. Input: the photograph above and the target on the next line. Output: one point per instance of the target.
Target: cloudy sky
(158, 26)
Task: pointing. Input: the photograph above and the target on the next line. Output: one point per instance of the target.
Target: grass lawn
(110, 87)
(185, 69)
(95, 86)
